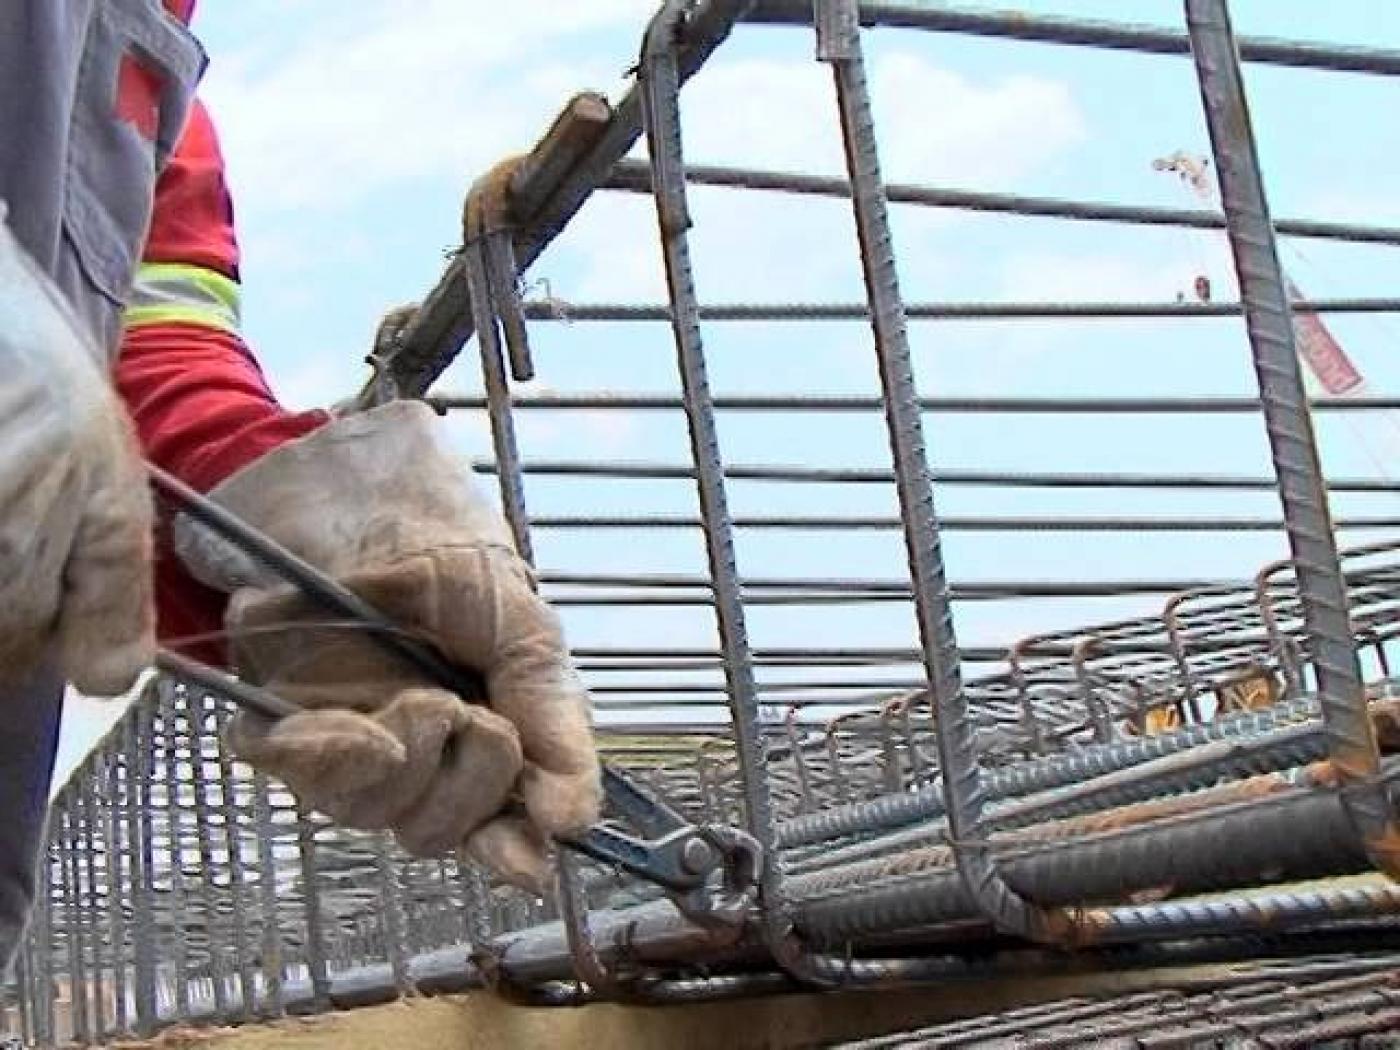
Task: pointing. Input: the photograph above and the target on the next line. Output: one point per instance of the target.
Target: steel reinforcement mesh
(996, 659)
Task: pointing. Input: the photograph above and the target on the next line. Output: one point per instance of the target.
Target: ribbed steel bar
(655, 934)
(271, 955)
(140, 830)
(837, 585)
(238, 897)
(25, 992)
(46, 955)
(73, 925)
(180, 975)
(96, 846)
(1257, 1007)
(620, 400)
(498, 397)
(313, 918)
(940, 476)
(117, 876)
(84, 811)
(840, 46)
(1049, 773)
(1301, 484)
(660, 83)
(950, 523)
(391, 917)
(1051, 29)
(197, 737)
(555, 310)
(1195, 769)
(1297, 834)
(633, 176)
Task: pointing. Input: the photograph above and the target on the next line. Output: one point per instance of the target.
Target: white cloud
(935, 126)
(385, 91)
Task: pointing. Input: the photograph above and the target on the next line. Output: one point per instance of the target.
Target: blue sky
(353, 129)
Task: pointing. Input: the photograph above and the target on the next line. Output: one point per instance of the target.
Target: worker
(119, 336)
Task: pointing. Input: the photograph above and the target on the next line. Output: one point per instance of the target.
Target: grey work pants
(29, 721)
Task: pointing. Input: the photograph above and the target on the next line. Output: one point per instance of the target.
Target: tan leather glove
(375, 502)
(75, 512)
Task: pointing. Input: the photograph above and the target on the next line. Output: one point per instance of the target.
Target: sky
(352, 129)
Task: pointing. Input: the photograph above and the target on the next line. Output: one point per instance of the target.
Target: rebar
(1145, 761)
(1307, 514)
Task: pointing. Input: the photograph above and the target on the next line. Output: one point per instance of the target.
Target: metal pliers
(710, 871)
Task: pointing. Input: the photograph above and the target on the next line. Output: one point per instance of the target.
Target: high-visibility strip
(166, 293)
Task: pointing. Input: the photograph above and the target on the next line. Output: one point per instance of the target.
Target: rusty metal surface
(1306, 1005)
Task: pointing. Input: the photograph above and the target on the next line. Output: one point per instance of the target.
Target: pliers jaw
(709, 871)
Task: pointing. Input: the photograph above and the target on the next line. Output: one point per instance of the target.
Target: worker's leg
(29, 719)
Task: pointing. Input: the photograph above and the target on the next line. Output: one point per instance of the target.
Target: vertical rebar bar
(839, 45)
(91, 909)
(69, 867)
(200, 740)
(45, 971)
(140, 824)
(805, 801)
(25, 992)
(493, 375)
(391, 916)
(476, 900)
(119, 864)
(573, 908)
(229, 808)
(181, 977)
(311, 909)
(272, 961)
(1292, 442)
(660, 84)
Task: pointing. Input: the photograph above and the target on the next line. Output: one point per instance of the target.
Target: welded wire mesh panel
(1019, 565)
(1333, 1003)
(1006, 621)
(179, 884)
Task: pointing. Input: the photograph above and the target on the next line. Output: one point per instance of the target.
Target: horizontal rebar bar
(870, 584)
(1044, 774)
(1288, 747)
(1301, 834)
(1053, 29)
(593, 400)
(944, 476)
(634, 176)
(951, 523)
(565, 312)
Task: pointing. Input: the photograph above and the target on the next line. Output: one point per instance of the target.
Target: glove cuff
(359, 489)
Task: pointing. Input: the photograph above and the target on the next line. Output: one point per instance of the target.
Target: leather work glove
(372, 500)
(75, 512)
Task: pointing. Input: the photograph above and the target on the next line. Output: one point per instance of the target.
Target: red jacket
(200, 403)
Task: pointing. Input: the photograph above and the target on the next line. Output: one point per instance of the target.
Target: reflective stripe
(175, 292)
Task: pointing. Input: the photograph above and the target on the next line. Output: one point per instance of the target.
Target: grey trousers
(29, 721)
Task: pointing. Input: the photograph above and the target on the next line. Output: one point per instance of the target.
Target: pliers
(709, 871)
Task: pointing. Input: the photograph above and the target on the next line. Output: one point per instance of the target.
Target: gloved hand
(75, 512)
(372, 500)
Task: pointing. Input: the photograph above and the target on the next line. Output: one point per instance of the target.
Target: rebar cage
(1161, 734)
